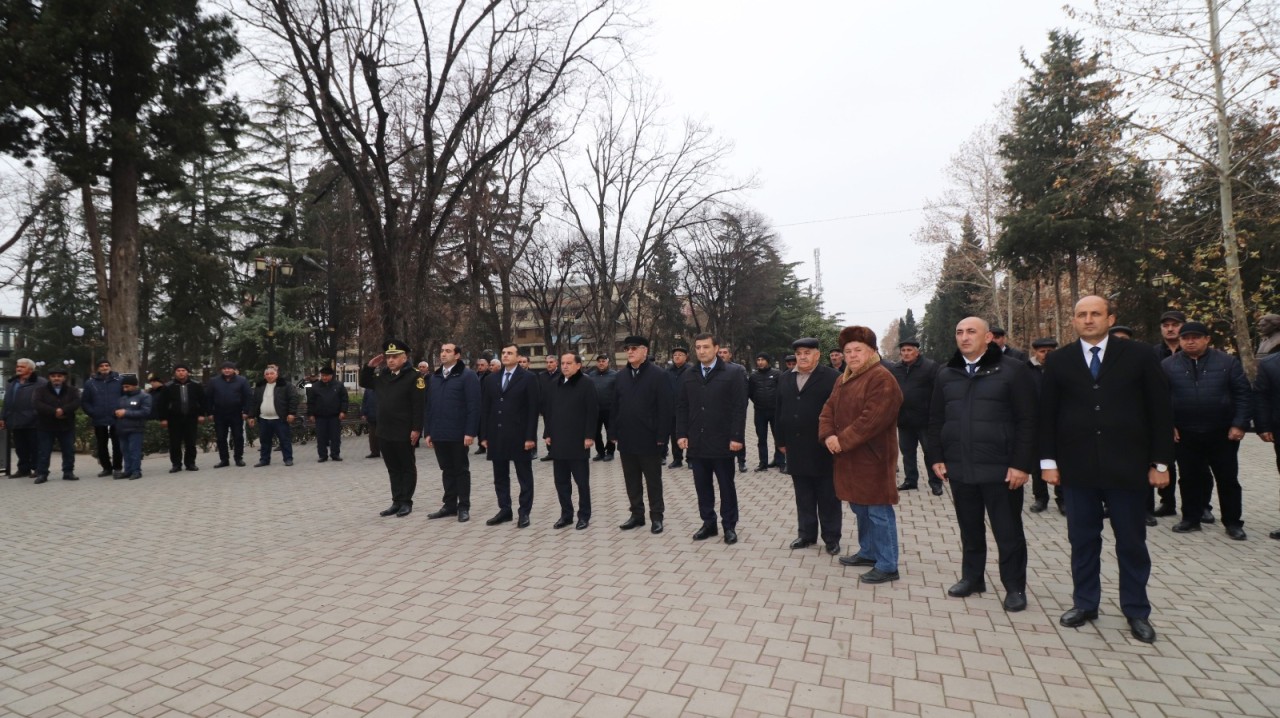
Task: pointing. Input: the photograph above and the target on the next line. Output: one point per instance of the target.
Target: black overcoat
(642, 410)
(797, 415)
(572, 415)
(509, 418)
(711, 411)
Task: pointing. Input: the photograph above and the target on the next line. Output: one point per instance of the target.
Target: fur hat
(858, 334)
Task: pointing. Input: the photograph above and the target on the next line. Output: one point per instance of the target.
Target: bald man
(1106, 435)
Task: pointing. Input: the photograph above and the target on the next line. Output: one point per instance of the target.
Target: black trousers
(1128, 509)
(1168, 495)
(231, 425)
(641, 471)
(706, 474)
(817, 506)
(182, 440)
(455, 474)
(373, 438)
(677, 454)
(329, 436)
(910, 439)
(402, 469)
(568, 472)
(26, 446)
(604, 427)
(764, 424)
(1205, 459)
(108, 448)
(502, 484)
(1004, 509)
(1040, 488)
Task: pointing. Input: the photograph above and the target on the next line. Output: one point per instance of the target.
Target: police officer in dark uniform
(401, 392)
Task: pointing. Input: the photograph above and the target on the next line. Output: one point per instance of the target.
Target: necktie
(973, 369)
(1095, 364)
(506, 377)
(704, 372)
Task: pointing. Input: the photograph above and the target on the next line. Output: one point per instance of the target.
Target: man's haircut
(715, 341)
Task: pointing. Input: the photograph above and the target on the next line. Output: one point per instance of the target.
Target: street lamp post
(272, 265)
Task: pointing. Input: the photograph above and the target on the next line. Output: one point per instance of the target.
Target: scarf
(850, 374)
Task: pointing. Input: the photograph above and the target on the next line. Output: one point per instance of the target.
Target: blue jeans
(269, 429)
(66, 441)
(131, 447)
(877, 534)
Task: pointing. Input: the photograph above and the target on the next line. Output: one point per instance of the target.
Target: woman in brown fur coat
(859, 427)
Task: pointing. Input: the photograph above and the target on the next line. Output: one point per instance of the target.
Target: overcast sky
(846, 107)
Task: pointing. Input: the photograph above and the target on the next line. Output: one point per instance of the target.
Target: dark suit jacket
(797, 415)
(642, 410)
(712, 411)
(509, 418)
(572, 414)
(1106, 433)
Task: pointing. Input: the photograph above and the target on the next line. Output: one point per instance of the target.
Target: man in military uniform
(400, 399)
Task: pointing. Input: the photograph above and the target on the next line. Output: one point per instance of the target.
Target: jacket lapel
(1115, 349)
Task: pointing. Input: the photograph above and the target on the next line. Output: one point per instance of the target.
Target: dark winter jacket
(100, 398)
(572, 414)
(170, 396)
(453, 404)
(285, 397)
(48, 402)
(981, 425)
(327, 398)
(137, 410)
(762, 389)
(916, 382)
(1267, 395)
(369, 405)
(606, 386)
(19, 402)
(401, 402)
(642, 411)
(1164, 352)
(228, 398)
(1209, 394)
(509, 419)
(797, 413)
(712, 411)
(157, 402)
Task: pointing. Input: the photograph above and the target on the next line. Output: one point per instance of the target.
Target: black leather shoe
(40, 479)
(742, 467)
(442, 513)
(336, 458)
(193, 467)
(373, 456)
(1062, 508)
(1142, 630)
(523, 522)
(134, 475)
(545, 458)
(562, 522)
(598, 457)
(322, 459)
(175, 469)
(730, 536)
(802, 543)
(1151, 520)
(656, 528)
(1015, 601)
(260, 464)
(904, 486)
(105, 473)
(965, 587)
(405, 510)
(1038, 506)
(120, 475)
(239, 462)
(634, 522)
(1274, 535)
(675, 465)
(833, 549)
(287, 462)
(390, 510)
(21, 475)
(857, 560)
(937, 491)
(1237, 533)
(762, 467)
(70, 477)
(222, 464)
(1207, 517)
(463, 516)
(582, 524)
(608, 457)
(706, 532)
(1077, 617)
(1185, 527)
(875, 575)
(501, 517)
(1166, 510)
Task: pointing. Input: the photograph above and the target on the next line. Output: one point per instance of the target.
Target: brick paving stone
(193, 594)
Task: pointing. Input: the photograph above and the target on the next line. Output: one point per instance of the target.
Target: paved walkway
(280, 592)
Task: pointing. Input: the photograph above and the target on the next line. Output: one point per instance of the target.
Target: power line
(851, 216)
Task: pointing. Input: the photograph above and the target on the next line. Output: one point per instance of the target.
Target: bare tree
(546, 277)
(1193, 64)
(728, 263)
(640, 188)
(395, 88)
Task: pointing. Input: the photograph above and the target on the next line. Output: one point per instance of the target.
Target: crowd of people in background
(1117, 428)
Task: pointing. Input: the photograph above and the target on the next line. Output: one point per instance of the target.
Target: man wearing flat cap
(801, 396)
(230, 397)
(605, 379)
(1040, 349)
(182, 411)
(916, 375)
(326, 408)
(1001, 339)
(1170, 324)
(401, 392)
(762, 390)
(56, 403)
(1212, 408)
(643, 414)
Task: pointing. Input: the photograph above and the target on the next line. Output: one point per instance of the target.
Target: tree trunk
(1073, 268)
(1230, 250)
(120, 318)
(1057, 305)
(1035, 311)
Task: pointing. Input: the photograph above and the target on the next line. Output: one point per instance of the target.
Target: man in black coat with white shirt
(1106, 434)
(801, 395)
(642, 417)
(572, 416)
(509, 432)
